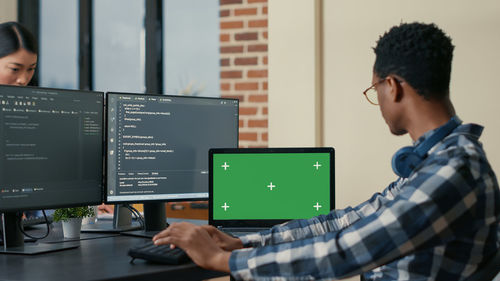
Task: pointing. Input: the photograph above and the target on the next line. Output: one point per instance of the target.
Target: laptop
(252, 189)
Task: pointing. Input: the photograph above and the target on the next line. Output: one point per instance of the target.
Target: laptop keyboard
(158, 254)
(241, 231)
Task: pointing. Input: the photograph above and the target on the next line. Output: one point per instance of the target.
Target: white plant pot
(72, 227)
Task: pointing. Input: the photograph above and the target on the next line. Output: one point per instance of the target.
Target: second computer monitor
(157, 146)
(51, 155)
(51, 148)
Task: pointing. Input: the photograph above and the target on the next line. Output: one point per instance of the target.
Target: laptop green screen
(271, 186)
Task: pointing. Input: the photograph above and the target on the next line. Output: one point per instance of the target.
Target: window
(191, 47)
(58, 44)
(119, 45)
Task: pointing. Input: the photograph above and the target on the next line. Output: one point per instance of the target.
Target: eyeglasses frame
(375, 84)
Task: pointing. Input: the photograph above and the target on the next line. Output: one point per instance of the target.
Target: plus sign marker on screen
(271, 186)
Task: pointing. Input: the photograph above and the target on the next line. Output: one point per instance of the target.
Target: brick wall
(243, 60)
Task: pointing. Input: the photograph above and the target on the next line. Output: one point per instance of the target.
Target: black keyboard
(158, 254)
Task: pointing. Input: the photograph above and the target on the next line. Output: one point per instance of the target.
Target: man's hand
(222, 239)
(197, 243)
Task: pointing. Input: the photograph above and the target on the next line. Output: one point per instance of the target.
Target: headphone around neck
(409, 157)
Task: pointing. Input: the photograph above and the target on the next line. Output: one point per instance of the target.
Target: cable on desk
(19, 222)
(136, 214)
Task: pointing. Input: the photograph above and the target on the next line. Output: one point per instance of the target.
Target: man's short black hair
(419, 53)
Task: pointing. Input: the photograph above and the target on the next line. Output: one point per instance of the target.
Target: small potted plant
(72, 219)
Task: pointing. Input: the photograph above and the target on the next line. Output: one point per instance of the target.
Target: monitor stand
(155, 220)
(13, 239)
(122, 221)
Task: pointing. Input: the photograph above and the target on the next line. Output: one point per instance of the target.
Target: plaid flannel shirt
(440, 223)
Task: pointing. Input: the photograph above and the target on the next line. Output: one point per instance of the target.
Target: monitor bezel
(263, 222)
(62, 204)
(140, 201)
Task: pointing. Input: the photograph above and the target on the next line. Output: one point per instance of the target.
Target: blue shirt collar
(471, 129)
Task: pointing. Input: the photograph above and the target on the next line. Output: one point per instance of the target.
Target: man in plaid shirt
(438, 221)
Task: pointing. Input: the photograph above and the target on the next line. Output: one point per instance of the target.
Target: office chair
(489, 271)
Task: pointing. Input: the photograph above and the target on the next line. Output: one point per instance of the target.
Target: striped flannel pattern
(440, 223)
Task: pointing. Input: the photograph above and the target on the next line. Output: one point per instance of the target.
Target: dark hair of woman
(13, 37)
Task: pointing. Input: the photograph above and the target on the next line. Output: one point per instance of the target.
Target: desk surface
(104, 258)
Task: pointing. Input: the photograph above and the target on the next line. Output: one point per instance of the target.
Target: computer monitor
(51, 148)
(157, 149)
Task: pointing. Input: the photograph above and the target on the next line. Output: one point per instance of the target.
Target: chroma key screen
(254, 186)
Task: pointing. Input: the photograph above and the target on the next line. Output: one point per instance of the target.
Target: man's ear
(396, 91)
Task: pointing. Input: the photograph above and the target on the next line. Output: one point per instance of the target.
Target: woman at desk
(18, 58)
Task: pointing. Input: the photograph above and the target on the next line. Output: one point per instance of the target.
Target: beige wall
(293, 53)
(364, 145)
(355, 128)
(8, 10)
